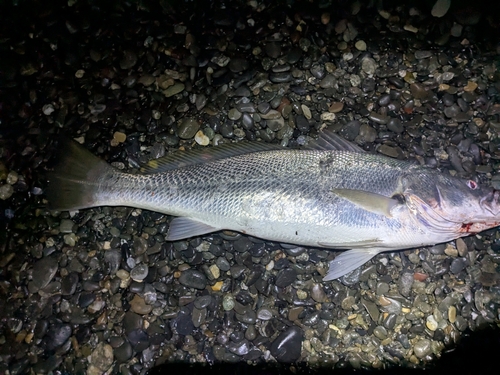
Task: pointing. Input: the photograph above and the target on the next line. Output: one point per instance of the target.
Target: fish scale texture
(284, 195)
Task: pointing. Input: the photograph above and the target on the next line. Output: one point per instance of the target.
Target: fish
(331, 194)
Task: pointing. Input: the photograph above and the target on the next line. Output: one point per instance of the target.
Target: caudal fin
(77, 177)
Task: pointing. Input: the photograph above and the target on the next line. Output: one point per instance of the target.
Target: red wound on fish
(466, 227)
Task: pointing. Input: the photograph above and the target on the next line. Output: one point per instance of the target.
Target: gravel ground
(100, 290)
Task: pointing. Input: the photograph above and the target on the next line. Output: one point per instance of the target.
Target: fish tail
(77, 179)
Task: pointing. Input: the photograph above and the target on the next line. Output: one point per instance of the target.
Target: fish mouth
(491, 202)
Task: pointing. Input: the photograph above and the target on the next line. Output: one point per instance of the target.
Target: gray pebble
(193, 279)
(286, 277)
(422, 348)
(43, 272)
(188, 128)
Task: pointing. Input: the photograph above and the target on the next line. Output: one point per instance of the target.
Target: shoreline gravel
(102, 291)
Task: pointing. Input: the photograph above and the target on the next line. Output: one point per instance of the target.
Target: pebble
(139, 272)
(6, 191)
(201, 138)
(139, 306)
(188, 128)
(101, 359)
(285, 277)
(82, 282)
(193, 279)
(287, 346)
(422, 348)
(44, 271)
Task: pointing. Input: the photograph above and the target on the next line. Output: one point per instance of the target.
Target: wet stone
(288, 345)
(43, 272)
(286, 277)
(139, 272)
(264, 314)
(57, 335)
(188, 128)
(124, 352)
(317, 293)
(458, 265)
(422, 348)
(101, 358)
(193, 279)
(66, 226)
(139, 306)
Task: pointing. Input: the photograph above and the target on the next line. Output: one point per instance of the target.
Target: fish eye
(472, 184)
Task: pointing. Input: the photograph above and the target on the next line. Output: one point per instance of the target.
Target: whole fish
(330, 195)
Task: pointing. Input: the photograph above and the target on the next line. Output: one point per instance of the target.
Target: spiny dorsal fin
(328, 140)
(183, 159)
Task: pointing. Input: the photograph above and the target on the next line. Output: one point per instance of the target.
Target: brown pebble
(336, 107)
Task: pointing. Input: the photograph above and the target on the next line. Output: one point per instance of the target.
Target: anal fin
(185, 227)
(348, 261)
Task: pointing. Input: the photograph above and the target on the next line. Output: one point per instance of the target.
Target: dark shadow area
(477, 353)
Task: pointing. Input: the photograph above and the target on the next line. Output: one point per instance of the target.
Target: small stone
(193, 279)
(6, 191)
(234, 114)
(471, 86)
(214, 270)
(306, 111)
(43, 272)
(286, 277)
(48, 109)
(336, 107)
(139, 272)
(174, 89)
(188, 128)
(287, 346)
(440, 8)
(66, 226)
(101, 358)
(139, 306)
(360, 45)
(228, 302)
(317, 293)
(201, 138)
(452, 314)
(422, 348)
(431, 323)
(119, 137)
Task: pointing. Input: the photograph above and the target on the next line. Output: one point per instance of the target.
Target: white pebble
(48, 109)
(79, 73)
(201, 138)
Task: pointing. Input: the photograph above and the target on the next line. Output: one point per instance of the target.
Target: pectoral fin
(372, 202)
(184, 227)
(348, 261)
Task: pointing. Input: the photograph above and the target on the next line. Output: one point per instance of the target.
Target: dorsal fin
(328, 140)
(181, 159)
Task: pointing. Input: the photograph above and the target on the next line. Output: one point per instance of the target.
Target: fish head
(452, 204)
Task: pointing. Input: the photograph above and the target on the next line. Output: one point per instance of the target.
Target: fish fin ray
(182, 159)
(185, 227)
(328, 140)
(372, 202)
(348, 261)
(354, 244)
(75, 181)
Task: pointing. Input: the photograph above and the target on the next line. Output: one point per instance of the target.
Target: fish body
(331, 195)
